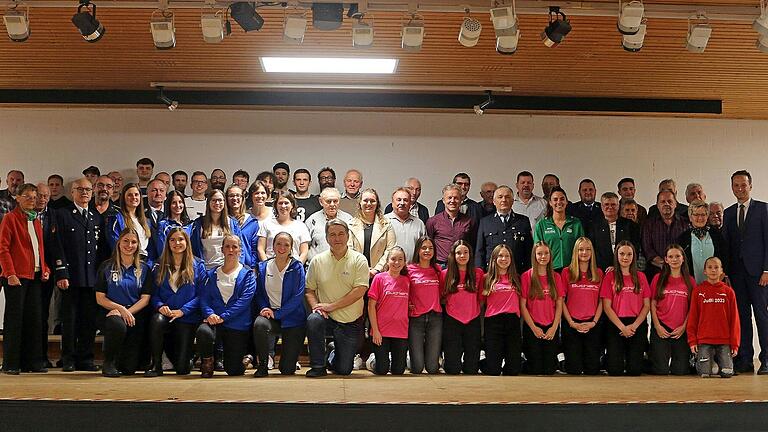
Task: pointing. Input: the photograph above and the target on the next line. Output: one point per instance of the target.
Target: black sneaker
(316, 373)
(261, 372)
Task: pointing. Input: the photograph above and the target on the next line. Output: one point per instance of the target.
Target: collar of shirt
(79, 209)
(745, 203)
(346, 195)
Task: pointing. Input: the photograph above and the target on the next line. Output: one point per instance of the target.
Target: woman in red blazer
(23, 269)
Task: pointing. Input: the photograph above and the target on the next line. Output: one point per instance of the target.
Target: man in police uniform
(81, 246)
(504, 226)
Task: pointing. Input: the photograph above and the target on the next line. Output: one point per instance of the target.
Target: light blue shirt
(700, 251)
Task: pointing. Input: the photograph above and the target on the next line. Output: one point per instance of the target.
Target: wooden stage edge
(363, 388)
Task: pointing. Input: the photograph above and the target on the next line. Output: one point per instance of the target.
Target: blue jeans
(347, 338)
(708, 355)
(425, 337)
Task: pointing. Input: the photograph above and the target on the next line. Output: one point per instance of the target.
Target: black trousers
(78, 329)
(182, 335)
(582, 350)
(669, 356)
(398, 347)
(540, 354)
(461, 339)
(266, 330)
(625, 355)
(123, 344)
(46, 293)
(21, 325)
(235, 344)
(503, 343)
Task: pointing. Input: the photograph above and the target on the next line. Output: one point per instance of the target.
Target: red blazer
(16, 254)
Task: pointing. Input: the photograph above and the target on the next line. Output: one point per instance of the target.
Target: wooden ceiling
(590, 63)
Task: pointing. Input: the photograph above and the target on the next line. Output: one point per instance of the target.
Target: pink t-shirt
(425, 290)
(542, 310)
(391, 296)
(626, 303)
(502, 299)
(673, 308)
(582, 296)
(463, 306)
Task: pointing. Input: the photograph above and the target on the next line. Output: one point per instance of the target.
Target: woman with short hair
(700, 241)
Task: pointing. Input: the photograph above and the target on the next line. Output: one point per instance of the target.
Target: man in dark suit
(81, 246)
(45, 214)
(504, 226)
(745, 228)
(587, 210)
(606, 232)
(468, 206)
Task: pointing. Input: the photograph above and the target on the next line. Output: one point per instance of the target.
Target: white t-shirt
(273, 282)
(212, 254)
(271, 227)
(226, 282)
(195, 208)
(143, 239)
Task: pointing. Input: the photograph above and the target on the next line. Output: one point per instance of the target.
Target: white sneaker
(298, 366)
(271, 363)
(357, 363)
(370, 364)
(408, 360)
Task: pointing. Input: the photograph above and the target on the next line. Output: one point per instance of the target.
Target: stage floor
(362, 387)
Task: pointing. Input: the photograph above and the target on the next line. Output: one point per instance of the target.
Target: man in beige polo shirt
(337, 279)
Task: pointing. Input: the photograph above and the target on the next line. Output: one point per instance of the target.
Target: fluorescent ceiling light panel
(328, 65)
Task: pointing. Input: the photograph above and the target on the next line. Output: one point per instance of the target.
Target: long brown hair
(237, 213)
(208, 219)
(139, 212)
(452, 274)
(618, 280)
(379, 216)
(168, 264)
(666, 272)
(574, 273)
(493, 276)
(537, 291)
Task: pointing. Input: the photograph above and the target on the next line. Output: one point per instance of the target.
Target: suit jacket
(516, 234)
(721, 247)
(81, 246)
(588, 215)
(474, 210)
(382, 240)
(423, 211)
(747, 246)
(47, 220)
(600, 235)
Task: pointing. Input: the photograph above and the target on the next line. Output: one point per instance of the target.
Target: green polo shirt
(560, 241)
(332, 279)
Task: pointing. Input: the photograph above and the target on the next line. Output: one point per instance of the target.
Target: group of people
(221, 274)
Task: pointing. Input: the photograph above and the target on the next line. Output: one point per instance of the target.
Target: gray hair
(325, 193)
(336, 222)
(691, 186)
(697, 204)
(452, 186)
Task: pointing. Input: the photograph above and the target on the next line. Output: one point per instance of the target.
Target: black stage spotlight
(557, 29)
(245, 14)
(85, 21)
(169, 103)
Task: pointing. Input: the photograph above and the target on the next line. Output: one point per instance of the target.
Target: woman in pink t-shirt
(502, 314)
(541, 303)
(425, 326)
(461, 285)
(388, 313)
(669, 311)
(626, 301)
(582, 310)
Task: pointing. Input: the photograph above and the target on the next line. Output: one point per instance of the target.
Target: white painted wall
(388, 147)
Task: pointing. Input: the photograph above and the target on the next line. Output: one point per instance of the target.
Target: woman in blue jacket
(131, 215)
(259, 213)
(175, 304)
(280, 287)
(208, 231)
(227, 312)
(175, 215)
(123, 288)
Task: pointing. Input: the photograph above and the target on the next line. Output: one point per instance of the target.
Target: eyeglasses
(217, 200)
(234, 196)
(327, 177)
(83, 190)
(28, 197)
(218, 178)
(105, 186)
(199, 181)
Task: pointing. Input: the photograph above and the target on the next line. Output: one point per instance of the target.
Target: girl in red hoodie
(713, 323)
